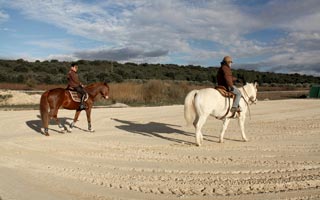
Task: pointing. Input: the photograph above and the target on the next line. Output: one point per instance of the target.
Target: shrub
(5, 97)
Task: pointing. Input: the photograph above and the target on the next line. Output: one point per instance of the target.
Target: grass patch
(4, 97)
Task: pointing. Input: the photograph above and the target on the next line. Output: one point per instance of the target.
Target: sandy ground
(149, 153)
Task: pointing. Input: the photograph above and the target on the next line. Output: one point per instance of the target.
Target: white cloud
(3, 16)
(152, 25)
(120, 54)
(132, 30)
(59, 44)
(306, 23)
(295, 58)
(61, 57)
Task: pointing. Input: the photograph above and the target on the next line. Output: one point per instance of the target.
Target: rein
(252, 101)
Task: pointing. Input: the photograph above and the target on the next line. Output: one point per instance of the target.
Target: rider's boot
(82, 104)
(82, 107)
(236, 109)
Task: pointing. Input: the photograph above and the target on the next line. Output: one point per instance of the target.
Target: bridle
(252, 101)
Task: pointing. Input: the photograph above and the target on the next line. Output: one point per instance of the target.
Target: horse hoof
(220, 141)
(46, 134)
(245, 140)
(91, 130)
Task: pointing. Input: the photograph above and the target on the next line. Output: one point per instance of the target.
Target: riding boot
(82, 107)
(82, 104)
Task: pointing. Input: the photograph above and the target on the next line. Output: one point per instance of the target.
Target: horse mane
(247, 84)
(254, 84)
(93, 85)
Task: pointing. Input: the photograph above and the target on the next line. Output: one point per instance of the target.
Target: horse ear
(244, 81)
(106, 81)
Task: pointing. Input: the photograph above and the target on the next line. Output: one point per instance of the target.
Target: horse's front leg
(88, 111)
(224, 128)
(241, 124)
(75, 119)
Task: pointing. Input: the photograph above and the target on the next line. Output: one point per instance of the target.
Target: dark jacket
(73, 79)
(224, 76)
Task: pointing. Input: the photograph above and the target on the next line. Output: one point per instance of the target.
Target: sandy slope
(148, 153)
(13, 97)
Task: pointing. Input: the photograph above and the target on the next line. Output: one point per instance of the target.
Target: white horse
(199, 104)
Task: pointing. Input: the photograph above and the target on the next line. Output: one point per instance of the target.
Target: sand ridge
(13, 97)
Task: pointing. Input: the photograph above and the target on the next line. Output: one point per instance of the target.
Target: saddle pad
(223, 91)
(76, 96)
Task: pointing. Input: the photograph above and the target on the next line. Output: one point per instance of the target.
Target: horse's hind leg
(199, 137)
(53, 114)
(224, 128)
(62, 129)
(195, 121)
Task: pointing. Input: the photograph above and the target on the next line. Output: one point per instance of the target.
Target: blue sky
(265, 35)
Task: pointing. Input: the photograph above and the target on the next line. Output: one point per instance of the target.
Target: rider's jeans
(237, 92)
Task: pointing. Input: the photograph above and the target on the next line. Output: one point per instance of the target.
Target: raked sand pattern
(149, 153)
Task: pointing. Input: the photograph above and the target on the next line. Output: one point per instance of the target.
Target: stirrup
(233, 109)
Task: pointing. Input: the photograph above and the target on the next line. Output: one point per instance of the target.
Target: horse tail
(190, 113)
(44, 107)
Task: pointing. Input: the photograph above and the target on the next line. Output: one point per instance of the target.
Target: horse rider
(74, 83)
(225, 78)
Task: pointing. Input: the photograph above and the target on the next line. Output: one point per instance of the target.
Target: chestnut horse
(59, 97)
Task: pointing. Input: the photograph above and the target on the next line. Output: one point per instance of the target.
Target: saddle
(75, 96)
(223, 91)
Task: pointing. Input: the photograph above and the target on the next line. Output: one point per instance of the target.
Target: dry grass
(126, 92)
(151, 92)
(274, 95)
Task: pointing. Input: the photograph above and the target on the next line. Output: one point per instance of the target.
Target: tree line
(54, 72)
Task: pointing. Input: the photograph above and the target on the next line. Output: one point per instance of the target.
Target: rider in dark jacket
(225, 78)
(74, 82)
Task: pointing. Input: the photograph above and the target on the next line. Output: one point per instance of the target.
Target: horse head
(101, 88)
(250, 92)
(104, 91)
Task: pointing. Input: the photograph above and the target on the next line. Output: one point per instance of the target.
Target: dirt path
(149, 153)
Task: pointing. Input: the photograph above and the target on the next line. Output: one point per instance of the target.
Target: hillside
(54, 72)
